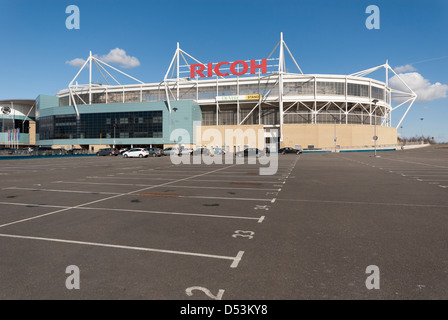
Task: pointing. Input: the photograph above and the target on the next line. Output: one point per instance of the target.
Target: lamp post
(375, 137)
(335, 137)
(401, 135)
(115, 125)
(175, 109)
(421, 128)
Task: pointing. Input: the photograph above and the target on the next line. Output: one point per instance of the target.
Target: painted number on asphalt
(243, 234)
(189, 292)
(261, 207)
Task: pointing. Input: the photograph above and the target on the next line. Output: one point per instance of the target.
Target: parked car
(75, 151)
(43, 151)
(289, 150)
(107, 152)
(170, 150)
(250, 152)
(59, 151)
(201, 151)
(6, 151)
(136, 153)
(219, 151)
(155, 152)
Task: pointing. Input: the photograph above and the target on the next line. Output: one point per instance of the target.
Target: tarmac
(149, 229)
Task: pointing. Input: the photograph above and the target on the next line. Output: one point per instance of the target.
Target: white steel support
(238, 100)
(281, 64)
(177, 69)
(90, 77)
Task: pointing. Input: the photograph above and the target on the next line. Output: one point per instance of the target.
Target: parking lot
(149, 229)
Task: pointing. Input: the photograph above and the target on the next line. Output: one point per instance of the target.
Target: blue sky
(325, 36)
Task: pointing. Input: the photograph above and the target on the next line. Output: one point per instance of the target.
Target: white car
(136, 153)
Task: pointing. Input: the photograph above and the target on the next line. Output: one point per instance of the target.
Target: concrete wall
(322, 135)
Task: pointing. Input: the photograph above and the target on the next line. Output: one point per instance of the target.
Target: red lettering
(218, 65)
(254, 66)
(209, 69)
(193, 70)
(245, 67)
(198, 69)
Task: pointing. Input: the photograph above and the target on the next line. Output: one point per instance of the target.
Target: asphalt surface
(149, 229)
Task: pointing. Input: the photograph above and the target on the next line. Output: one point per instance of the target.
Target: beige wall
(322, 135)
(235, 139)
(319, 135)
(32, 133)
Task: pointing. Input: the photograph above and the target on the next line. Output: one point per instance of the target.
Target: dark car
(155, 152)
(200, 151)
(107, 152)
(250, 152)
(76, 151)
(6, 151)
(43, 151)
(289, 150)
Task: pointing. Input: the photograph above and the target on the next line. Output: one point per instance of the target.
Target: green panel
(44, 101)
(187, 112)
(24, 138)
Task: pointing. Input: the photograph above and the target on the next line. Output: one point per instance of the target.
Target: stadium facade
(259, 94)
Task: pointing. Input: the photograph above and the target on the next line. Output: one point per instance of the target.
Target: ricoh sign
(222, 69)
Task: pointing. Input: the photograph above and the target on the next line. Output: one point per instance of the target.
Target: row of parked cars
(157, 152)
(131, 153)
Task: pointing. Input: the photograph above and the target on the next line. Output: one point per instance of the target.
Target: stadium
(319, 111)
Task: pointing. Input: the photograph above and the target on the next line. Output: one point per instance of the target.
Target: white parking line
(148, 185)
(412, 162)
(55, 190)
(259, 219)
(194, 180)
(366, 203)
(235, 260)
(149, 176)
(108, 198)
(223, 198)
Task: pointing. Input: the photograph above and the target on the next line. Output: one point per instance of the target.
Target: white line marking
(420, 163)
(134, 210)
(149, 185)
(368, 203)
(53, 190)
(34, 205)
(221, 198)
(170, 213)
(237, 259)
(193, 180)
(273, 200)
(261, 219)
(149, 176)
(234, 264)
(108, 198)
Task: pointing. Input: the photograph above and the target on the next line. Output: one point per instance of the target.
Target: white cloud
(116, 56)
(425, 90)
(405, 68)
(77, 62)
(119, 57)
